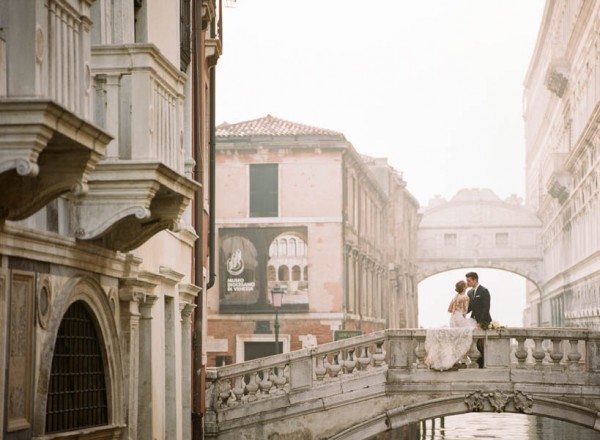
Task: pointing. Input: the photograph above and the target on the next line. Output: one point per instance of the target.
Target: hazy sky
(433, 85)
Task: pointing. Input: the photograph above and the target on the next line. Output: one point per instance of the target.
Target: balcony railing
(567, 353)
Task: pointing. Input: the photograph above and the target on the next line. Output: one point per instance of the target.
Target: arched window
(284, 273)
(77, 390)
(282, 247)
(271, 273)
(305, 273)
(292, 247)
(296, 273)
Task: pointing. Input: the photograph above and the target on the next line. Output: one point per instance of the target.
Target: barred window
(77, 391)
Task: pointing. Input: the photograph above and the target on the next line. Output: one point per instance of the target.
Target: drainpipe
(197, 368)
(212, 167)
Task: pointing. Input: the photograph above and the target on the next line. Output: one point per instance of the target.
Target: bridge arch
(478, 229)
(450, 406)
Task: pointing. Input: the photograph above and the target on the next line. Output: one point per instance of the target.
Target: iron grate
(77, 389)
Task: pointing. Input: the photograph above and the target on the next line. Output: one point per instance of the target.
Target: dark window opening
(77, 390)
(185, 33)
(264, 190)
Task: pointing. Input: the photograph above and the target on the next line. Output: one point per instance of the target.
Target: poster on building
(252, 261)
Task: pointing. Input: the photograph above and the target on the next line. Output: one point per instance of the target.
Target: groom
(479, 306)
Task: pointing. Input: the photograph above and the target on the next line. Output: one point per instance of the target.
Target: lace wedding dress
(446, 346)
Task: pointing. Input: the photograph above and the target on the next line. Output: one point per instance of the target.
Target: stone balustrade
(372, 383)
(273, 376)
(557, 350)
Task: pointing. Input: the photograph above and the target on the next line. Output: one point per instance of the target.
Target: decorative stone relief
(44, 300)
(474, 401)
(557, 77)
(20, 361)
(523, 402)
(498, 401)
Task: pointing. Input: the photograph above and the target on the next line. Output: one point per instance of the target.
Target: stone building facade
(561, 112)
(299, 208)
(104, 140)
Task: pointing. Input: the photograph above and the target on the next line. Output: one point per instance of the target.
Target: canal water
(483, 426)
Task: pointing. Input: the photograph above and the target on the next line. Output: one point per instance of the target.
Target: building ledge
(45, 151)
(214, 50)
(130, 201)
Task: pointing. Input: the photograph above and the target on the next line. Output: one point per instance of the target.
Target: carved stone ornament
(523, 402)
(498, 400)
(128, 202)
(474, 401)
(557, 77)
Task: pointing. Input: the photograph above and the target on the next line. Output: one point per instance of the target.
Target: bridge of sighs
(478, 229)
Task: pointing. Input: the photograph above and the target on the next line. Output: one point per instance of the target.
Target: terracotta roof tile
(272, 126)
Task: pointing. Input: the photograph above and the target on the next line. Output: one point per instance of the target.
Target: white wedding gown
(446, 346)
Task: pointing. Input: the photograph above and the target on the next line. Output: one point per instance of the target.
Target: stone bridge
(367, 385)
(478, 229)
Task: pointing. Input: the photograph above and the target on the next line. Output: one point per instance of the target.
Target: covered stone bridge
(360, 387)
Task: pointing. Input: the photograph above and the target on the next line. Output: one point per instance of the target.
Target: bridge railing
(566, 350)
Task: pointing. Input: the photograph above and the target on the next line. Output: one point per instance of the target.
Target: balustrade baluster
(350, 362)
(252, 387)
(224, 391)
(265, 383)
(538, 352)
(364, 359)
(238, 389)
(320, 369)
(279, 379)
(574, 356)
(521, 352)
(379, 355)
(335, 367)
(556, 355)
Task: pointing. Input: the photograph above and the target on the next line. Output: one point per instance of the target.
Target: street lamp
(277, 295)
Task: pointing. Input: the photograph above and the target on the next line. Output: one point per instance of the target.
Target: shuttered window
(264, 190)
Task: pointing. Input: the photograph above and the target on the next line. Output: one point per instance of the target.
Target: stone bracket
(45, 151)
(130, 201)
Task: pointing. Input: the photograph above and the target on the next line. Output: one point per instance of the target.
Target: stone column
(145, 425)
(186, 367)
(130, 318)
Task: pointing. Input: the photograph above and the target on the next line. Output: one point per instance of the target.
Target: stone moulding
(45, 151)
(130, 201)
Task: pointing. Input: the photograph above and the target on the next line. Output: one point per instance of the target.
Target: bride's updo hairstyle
(460, 286)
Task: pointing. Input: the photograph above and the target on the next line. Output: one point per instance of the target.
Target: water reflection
(503, 427)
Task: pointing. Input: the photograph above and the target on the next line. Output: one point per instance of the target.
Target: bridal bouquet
(494, 325)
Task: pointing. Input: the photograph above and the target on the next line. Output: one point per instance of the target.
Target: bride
(447, 346)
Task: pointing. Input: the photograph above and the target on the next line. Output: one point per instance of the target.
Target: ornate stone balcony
(140, 187)
(130, 201)
(558, 179)
(557, 76)
(45, 151)
(140, 99)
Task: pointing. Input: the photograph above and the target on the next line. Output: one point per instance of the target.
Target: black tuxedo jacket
(479, 305)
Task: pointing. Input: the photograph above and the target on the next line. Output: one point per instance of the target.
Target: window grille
(77, 390)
